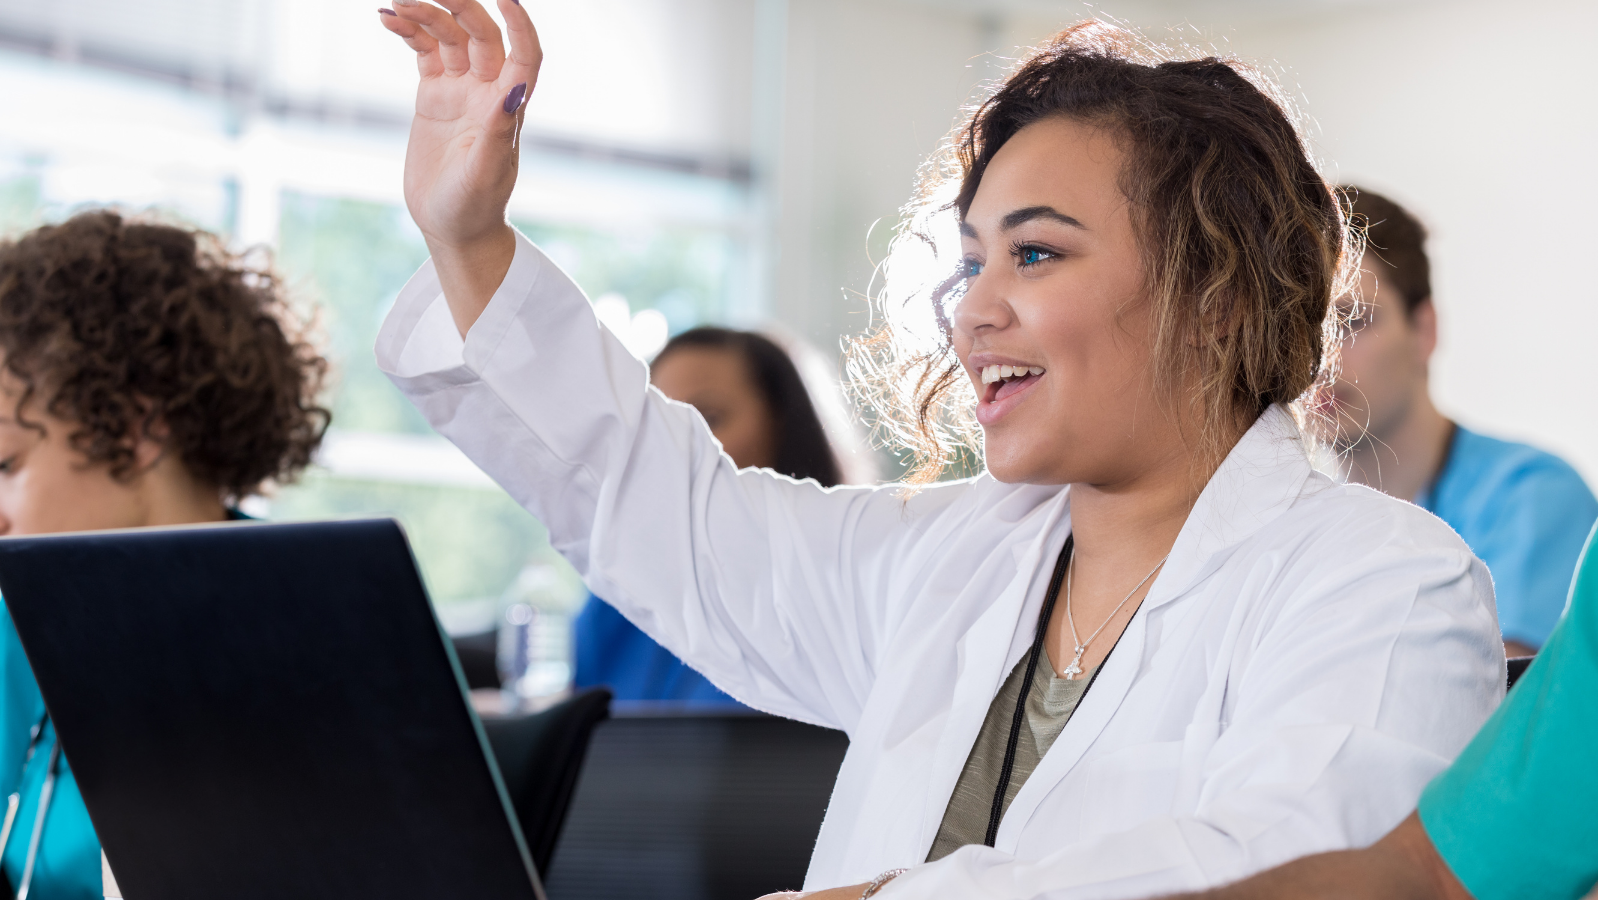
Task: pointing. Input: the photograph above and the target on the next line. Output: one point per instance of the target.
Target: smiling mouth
(1001, 382)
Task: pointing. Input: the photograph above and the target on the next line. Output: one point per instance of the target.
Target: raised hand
(461, 161)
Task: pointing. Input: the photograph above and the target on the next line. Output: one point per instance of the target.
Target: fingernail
(387, 12)
(514, 99)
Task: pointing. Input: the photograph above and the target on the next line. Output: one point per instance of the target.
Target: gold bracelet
(880, 881)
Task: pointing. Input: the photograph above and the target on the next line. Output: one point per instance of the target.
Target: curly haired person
(147, 377)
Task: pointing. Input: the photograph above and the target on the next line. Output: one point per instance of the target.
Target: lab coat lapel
(1260, 478)
(1092, 716)
(986, 655)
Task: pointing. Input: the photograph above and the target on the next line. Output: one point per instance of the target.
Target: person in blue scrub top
(147, 377)
(751, 395)
(1523, 511)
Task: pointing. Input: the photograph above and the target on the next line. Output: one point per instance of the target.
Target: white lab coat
(1310, 656)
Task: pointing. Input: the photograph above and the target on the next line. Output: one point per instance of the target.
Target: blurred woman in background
(147, 377)
(752, 397)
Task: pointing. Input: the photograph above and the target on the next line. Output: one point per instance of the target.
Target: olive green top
(1051, 701)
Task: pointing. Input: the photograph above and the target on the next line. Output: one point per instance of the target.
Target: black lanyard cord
(998, 809)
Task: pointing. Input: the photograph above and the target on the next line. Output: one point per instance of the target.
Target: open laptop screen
(264, 710)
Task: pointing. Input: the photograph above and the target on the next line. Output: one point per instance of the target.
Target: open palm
(461, 162)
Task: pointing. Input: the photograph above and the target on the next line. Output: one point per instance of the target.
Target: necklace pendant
(1073, 670)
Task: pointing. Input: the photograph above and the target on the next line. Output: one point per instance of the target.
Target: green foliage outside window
(350, 259)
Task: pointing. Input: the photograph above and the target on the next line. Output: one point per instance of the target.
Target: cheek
(1371, 358)
(45, 499)
(31, 504)
(1089, 346)
(741, 434)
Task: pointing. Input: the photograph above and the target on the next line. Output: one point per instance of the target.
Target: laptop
(265, 711)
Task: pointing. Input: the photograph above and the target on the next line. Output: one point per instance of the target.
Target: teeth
(991, 374)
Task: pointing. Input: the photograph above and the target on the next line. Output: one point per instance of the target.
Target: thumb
(493, 160)
(505, 121)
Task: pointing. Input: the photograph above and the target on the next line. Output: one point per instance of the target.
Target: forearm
(740, 574)
(1401, 866)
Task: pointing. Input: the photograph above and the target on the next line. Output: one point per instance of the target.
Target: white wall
(1481, 118)
(871, 87)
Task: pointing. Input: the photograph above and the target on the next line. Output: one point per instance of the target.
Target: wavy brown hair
(1244, 244)
(115, 324)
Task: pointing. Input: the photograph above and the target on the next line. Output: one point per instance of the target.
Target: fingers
(442, 27)
(522, 66)
(484, 47)
(428, 63)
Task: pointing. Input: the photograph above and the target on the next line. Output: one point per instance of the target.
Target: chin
(1018, 468)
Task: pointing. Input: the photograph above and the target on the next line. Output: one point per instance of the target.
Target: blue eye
(971, 268)
(1028, 255)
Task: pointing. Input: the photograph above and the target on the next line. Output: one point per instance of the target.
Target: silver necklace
(1075, 668)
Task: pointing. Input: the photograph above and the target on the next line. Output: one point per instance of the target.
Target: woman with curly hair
(1149, 647)
(147, 377)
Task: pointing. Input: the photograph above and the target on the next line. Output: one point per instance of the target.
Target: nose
(983, 307)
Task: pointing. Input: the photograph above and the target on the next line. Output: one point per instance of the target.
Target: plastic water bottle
(535, 640)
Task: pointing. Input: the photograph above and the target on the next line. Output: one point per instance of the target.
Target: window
(657, 237)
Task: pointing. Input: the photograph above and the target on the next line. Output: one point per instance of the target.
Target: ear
(1425, 329)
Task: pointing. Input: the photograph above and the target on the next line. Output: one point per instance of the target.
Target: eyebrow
(1027, 214)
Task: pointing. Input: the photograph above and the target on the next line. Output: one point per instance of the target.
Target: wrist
(470, 272)
(877, 884)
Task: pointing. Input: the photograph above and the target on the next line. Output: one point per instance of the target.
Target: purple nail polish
(514, 98)
(387, 12)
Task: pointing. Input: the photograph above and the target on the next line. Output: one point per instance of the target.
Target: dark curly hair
(115, 324)
(1244, 243)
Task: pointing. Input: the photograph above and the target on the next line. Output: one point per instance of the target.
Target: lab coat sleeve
(773, 588)
(1350, 700)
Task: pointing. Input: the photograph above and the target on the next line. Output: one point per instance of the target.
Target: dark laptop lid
(264, 710)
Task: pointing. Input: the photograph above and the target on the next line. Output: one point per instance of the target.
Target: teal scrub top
(68, 865)
(1515, 815)
(1525, 513)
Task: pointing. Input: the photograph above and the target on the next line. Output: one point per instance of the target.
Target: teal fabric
(1525, 513)
(68, 867)
(1515, 815)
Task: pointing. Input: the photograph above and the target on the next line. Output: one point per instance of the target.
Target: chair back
(476, 653)
(540, 756)
(1515, 666)
(722, 806)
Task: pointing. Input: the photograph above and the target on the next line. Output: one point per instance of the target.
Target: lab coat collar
(1258, 480)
